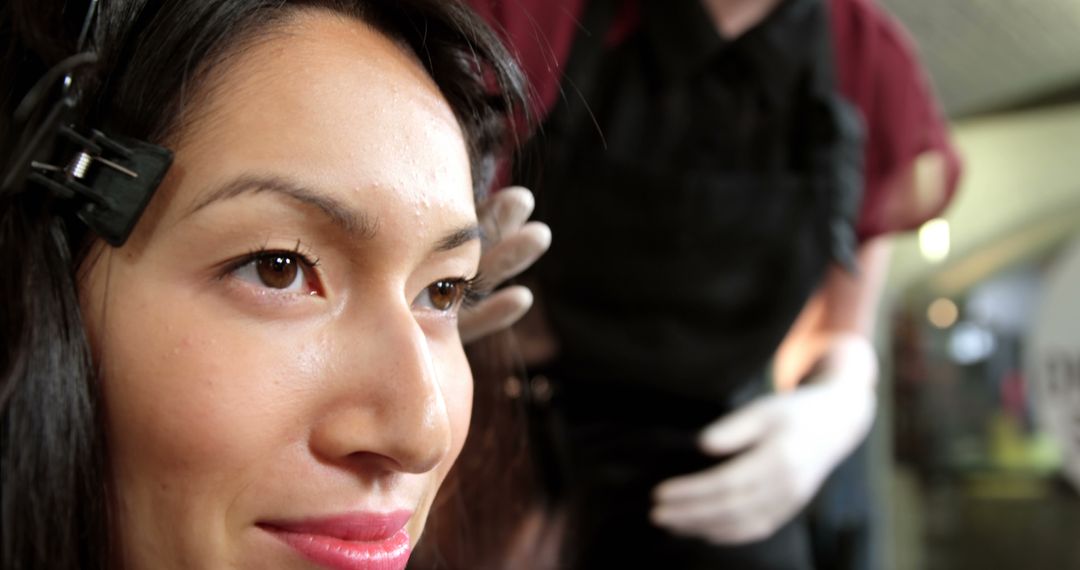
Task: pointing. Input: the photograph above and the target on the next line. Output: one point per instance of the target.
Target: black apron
(679, 272)
(678, 265)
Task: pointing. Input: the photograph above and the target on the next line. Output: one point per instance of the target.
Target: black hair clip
(109, 179)
(112, 178)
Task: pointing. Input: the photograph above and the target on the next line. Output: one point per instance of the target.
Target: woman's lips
(354, 541)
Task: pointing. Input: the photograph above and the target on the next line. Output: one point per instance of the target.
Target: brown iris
(444, 294)
(277, 270)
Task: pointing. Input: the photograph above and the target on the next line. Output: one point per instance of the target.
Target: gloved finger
(734, 533)
(740, 429)
(755, 522)
(737, 520)
(505, 211)
(735, 477)
(515, 253)
(710, 510)
(498, 311)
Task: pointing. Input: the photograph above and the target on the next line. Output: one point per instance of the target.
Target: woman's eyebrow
(458, 238)
(350, 220)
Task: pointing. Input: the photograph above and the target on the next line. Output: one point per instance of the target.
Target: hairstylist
(716, 173)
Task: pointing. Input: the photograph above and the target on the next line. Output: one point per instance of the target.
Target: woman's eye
(443, 295)
(282, 271)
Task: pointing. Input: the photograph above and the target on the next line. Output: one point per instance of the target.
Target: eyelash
(474, 291)
(302, 253)
(465, 292)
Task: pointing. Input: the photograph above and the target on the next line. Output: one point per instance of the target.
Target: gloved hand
(510, 246)
(787, 443)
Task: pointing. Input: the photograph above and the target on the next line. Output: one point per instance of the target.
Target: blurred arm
(832, 335)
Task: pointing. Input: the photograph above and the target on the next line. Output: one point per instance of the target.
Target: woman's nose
(389, 407)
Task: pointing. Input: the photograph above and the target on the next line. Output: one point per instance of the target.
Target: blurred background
(978, 441)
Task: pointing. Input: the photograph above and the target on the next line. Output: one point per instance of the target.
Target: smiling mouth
(355, 541)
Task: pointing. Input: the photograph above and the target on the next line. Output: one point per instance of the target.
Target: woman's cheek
(203, 388)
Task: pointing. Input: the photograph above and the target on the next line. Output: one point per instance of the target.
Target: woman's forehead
(333, 104)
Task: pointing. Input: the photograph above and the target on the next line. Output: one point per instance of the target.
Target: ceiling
(993, 55)
(1018, 196)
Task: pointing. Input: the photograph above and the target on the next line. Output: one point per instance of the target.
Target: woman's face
(283, 379)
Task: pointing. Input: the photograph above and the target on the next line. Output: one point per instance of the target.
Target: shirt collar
(685, 40)
(681, 35)
(785, 46)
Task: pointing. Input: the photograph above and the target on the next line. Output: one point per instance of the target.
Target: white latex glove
(510, 246)
(788, 443)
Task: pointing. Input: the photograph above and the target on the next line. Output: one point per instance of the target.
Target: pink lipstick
(354, 541)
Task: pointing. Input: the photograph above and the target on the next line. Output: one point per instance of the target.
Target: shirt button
(540, 388)
(512, 387)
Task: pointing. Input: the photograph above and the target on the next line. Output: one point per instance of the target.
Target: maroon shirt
(876, 64)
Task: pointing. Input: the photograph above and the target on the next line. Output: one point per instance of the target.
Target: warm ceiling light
(934, 240)
(942, 313)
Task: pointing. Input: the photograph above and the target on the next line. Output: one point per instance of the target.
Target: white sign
(1053, 358)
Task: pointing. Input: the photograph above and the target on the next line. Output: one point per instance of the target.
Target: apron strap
(838, 158)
